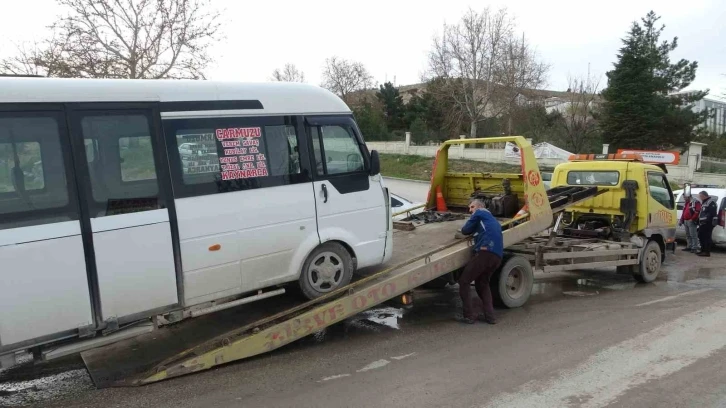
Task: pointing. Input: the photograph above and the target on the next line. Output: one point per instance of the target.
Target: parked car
(546, 179)
(399, 204)
(719, 232)
(190, 150)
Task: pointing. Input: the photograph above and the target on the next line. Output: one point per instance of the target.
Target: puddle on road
(387, 316)
(376, 320)
(593, 285)
(697, 275)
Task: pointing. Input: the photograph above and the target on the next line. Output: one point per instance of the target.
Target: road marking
(667, 298)
(334, 377)
(611, 372)
(374, 365)
(621, 286)
(580, 293)
(404, 356)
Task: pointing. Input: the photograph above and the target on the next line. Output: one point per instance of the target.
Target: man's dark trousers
(479, 269)
(705, 235)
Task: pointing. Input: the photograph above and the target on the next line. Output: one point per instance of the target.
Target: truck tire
(512, 283)
(650, 263)
(328, 267)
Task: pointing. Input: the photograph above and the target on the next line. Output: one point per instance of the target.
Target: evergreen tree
(393, 107)
(641, 108)
(371, 120)
(443, 117)
(426, 108)
(419, 132)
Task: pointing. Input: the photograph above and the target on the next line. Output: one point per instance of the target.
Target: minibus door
(44, 291)
(350, 203)
(125, 198)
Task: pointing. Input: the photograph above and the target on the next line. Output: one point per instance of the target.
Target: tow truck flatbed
(129, 362)
(121, 363)
(419, 257)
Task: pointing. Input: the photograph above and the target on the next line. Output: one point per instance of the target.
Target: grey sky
(392, 38)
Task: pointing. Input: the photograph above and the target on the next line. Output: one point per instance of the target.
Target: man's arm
(696, 212)
(470, 226)
(712, 209)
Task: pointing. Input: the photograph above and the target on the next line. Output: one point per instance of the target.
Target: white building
(563, 104)
(717, 122)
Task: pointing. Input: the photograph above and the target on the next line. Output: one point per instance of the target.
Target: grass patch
(419, 167)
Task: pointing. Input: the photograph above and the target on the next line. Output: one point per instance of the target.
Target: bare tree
(124, 39)
(289, 73)
(578, 108)
(487, 64)
(520, 71)
(37, 59)
(344, 77)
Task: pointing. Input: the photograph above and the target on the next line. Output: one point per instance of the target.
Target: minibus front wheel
(328, 268)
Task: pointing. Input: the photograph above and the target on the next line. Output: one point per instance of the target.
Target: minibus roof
(261, 98)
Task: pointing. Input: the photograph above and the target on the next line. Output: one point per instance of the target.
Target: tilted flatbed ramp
(120, 364)
(420, 256)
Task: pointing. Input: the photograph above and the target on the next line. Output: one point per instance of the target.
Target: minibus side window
(282, 150)
(121, 166)
(137, 158)
(341, 150)
(30, 161)
(33, 187)
(217, 155)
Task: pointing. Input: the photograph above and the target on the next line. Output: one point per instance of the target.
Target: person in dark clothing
(706, 221)
(488, 250)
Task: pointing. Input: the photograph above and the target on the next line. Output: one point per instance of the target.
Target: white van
(719, 232)
(124, 199)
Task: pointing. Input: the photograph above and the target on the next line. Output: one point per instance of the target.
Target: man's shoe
(481, 318)
(694, 251)
(462, 319)
(705, 254)
(686, 249)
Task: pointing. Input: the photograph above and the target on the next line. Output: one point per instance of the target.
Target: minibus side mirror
(375, 163)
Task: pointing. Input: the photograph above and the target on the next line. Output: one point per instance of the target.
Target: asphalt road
(408, 189)
(589, 339)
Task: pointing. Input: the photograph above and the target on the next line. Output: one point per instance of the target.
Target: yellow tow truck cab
(637, 202)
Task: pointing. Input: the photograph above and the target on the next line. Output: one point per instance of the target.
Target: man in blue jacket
(488, 251)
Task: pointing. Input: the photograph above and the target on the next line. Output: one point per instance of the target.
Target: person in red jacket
(689, 219)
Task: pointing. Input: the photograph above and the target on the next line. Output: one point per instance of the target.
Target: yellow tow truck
(427, 250)
(636, 205)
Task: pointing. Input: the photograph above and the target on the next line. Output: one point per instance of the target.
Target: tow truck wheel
(512, 283)
(328, 268)
(650, 263)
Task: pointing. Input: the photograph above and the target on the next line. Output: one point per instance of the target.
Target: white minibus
(122, 200)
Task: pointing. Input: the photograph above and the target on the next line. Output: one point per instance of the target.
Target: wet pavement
(394, 355)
